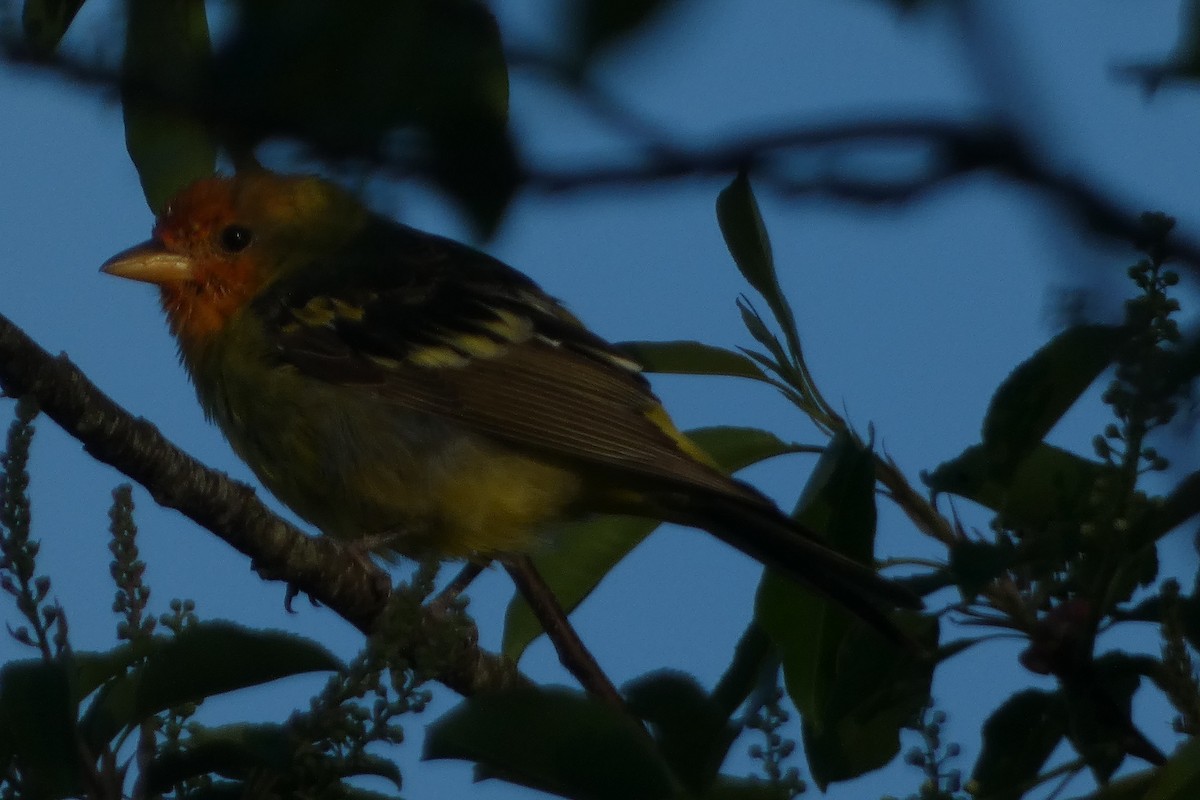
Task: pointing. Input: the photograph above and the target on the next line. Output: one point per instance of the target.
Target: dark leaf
(45, 22)
(976, 564)
(753, 655)
(205, 659)
(1049, 484)
(605, 21)
(727, 788)
(1017, 739)
(1040, 390)
(854, 689)
(554, 740)
(692, 730)
(422, 80)
(38, 725)
(1098, 706)
(231, 751)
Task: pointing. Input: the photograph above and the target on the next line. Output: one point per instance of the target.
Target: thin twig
(572, 652)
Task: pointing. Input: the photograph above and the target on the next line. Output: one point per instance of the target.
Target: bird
(393, 386)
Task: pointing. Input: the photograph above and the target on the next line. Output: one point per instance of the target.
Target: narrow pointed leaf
(46, 21)
(691, 358)
(746, 237)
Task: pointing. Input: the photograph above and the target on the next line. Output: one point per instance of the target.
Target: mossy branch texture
(352, 588)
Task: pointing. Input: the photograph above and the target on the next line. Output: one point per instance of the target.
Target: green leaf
(735, 448)
(1049, 484)
(554, 740)
(45, 22)
(166, 53)
(1179, 778)
(1041, 389)
(1130, 787)
(38, 730)
(230, 751)
(691, 358)
(588, 549)
(746, 237)
(205, 659)
(692, 730)
(572, 566)
(854, 689)
(1017, 739)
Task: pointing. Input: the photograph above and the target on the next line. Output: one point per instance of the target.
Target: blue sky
(910, 314)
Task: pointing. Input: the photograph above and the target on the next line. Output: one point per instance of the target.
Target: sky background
(910, 315)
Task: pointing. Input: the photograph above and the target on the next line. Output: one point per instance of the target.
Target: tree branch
(355, 590)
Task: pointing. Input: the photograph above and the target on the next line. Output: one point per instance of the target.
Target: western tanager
(387, 383)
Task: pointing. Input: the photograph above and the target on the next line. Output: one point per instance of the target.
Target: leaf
(1049, 484)
(230, 751)
(244, 751)
(854, 689)
(691, 358)
(728, 788)
(974, 565)
(746, 237)
(583, 553)
(1098, 708)
(38, 729)
(46, 21)
(603, 22)
(735, 448)
(1017, 739)
(554, 740)
(587, 550)
(1041, 389)
(1179, 778)
(166, 55)
(692, 730)
(752, 656)
(422, 80)
(205, 659)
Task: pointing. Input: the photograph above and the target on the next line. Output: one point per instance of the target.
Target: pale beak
(149, 262)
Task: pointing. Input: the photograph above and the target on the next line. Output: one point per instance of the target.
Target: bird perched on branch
(391, 385)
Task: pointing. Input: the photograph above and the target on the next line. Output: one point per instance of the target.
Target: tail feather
(766, 535)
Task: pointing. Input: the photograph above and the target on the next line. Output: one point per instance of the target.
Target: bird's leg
(572, 652)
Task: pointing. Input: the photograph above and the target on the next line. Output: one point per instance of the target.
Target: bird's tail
(766, 535)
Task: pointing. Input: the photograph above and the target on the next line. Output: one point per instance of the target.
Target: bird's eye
(235, 238)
